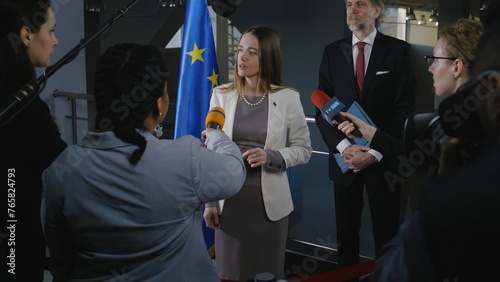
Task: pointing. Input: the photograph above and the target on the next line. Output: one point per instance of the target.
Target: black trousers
(384, 208)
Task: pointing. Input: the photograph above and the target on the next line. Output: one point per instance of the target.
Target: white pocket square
(381, 72)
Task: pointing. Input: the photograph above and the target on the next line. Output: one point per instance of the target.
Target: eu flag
(198, 75)
(198, 71)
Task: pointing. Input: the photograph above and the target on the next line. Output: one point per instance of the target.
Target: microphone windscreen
(216, 115)
(319, 98)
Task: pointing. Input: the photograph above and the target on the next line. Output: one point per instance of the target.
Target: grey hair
(379, 3)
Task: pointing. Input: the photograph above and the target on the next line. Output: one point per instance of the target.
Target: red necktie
(360, 66)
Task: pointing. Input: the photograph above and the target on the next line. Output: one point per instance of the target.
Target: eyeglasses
(430, 59)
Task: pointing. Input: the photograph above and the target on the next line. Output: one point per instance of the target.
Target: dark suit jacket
(388, 94)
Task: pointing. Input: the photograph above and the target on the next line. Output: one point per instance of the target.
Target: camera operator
(455, 234)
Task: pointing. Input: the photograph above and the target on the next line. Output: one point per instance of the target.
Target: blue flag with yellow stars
(199, 73)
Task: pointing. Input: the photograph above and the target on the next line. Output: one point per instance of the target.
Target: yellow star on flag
(213, 78)
(196, 54)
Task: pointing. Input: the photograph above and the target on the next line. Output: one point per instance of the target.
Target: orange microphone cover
(216, 118)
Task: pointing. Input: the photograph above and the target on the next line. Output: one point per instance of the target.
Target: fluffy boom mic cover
(216, 118)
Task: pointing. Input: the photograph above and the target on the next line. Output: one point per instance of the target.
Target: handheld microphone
(216, 118)
(330, 108)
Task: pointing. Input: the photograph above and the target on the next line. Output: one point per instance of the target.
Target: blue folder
(354, 109)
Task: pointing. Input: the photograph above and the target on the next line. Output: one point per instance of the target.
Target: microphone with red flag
(330, 108)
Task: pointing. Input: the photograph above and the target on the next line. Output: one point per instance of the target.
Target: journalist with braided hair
(124, 204)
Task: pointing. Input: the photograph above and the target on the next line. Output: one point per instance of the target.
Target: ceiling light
(170, 3)
(410, 15)
(422, 20)
(95, 5)
(433, 18)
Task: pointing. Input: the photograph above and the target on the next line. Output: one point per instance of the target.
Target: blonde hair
(463, 38)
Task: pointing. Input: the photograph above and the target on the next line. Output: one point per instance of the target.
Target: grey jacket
(108, 220)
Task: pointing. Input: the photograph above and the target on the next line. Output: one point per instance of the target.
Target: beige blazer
(286, 119)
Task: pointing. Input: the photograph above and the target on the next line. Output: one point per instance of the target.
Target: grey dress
(248, 242)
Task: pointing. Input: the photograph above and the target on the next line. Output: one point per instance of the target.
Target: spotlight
(410, 15)
(170, 3)
(433, 18)
(95, 5)
(422, 20)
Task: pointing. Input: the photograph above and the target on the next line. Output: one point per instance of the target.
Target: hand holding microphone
(330, 109)
(216, 118)
(354, 122)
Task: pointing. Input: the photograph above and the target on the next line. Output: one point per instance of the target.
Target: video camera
(458, 116)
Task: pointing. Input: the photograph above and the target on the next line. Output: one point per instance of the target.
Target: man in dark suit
(387, 93)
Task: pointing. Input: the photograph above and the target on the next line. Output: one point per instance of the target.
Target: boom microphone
(330, 108)
(18, 100)
(216, 118)
(30, 91)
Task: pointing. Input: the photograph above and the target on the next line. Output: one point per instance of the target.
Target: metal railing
(72, 97)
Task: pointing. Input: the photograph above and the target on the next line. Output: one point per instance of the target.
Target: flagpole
(22, 97)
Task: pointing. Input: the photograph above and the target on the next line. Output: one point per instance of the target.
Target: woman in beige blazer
(266, 120)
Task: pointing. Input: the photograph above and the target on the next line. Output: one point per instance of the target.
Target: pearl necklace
(256, 103)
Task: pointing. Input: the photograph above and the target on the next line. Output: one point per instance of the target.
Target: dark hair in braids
(128, 82)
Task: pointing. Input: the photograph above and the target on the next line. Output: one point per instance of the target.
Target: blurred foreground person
(29, 141)
(124, 205)
(455, 235)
